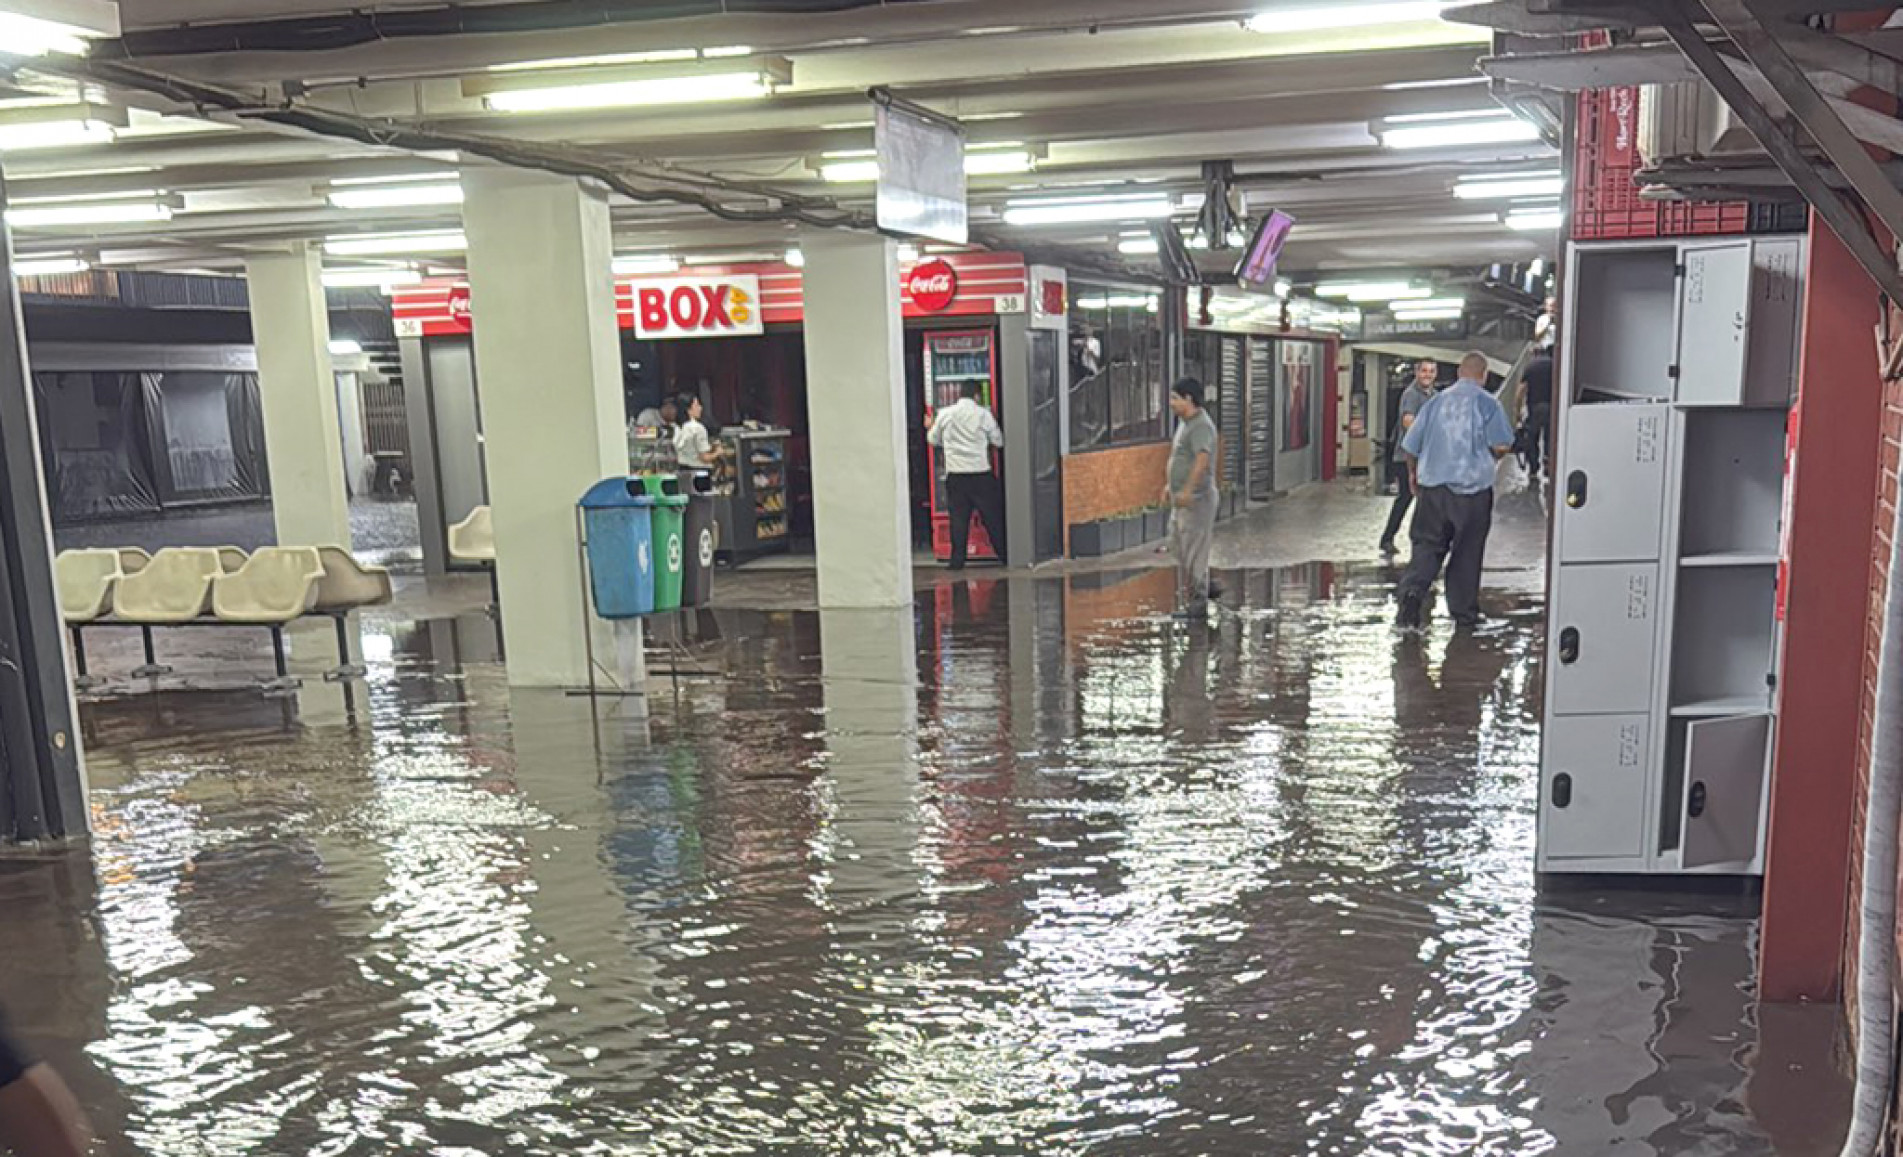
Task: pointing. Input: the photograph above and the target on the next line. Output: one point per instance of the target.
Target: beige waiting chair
(133, 559)
(474, 538)
(348, 585)
(174, 587)
(275, 586)
(85, 579)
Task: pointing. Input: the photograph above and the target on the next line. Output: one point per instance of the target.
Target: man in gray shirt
(1191, 495)
(1426, 373)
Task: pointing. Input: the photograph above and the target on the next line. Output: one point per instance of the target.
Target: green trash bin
(670, 546)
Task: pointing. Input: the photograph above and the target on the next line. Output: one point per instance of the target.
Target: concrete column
(290, 325)
(548, 358)
(855, 404)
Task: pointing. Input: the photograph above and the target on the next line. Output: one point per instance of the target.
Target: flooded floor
(1031, 870)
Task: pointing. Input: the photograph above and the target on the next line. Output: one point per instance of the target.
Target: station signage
(727, 305)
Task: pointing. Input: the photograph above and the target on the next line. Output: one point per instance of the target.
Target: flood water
(1029, 871)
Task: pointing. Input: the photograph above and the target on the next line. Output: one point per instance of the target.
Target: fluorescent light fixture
(345, 347)
(1495, 131)
(1531, 187)
(444, 241)
(1459, 114)
(1340, 16)
(1083, 212)
(369, 278)
(592, 88)
(653, 56)
(1283, 289)
(88, 213)
(723, 51)
(1442, 314)
(1137, 246)
(81, 198)
(728, 258)
(64, 28)
(635, 264)
(796, 258)
(1370, 290)
(1533, 220)
(1415, 305)
(438, 177)
(857, 166)
(1118, 301)
(16, 138)
(49, 266)
(396, 196)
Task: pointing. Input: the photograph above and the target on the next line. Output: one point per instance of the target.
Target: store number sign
(682, 307)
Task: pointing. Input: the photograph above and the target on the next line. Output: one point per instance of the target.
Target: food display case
(750, 497)
(953, 358)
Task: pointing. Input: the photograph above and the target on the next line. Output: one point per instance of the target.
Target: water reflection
(1033, 870)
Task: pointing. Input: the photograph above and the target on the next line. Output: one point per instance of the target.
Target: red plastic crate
(1606, 202)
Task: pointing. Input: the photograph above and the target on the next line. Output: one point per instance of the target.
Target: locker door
(1724, 789)
(1604, 627)
(1612, 483)
(1592, 788)
(1714, 321)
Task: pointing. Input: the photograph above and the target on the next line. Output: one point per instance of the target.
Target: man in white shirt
(966, 431)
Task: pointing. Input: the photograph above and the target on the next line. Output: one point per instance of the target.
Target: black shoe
(1388, 549)
(1215, 589)
(1467, 622)
(1409, 618)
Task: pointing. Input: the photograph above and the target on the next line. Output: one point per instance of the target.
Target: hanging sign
(921, 189)
(685, 307)
(933, 285)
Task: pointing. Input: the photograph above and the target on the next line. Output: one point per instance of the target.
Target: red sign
(675, 307)
(459, 312)
(933, 285)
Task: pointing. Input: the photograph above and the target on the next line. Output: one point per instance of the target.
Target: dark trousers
(1534, 437)
(1450, 529)
(982, 493)
(1403, 498)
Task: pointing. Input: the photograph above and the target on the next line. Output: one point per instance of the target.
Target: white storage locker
(1603, 648)
(1714, 313)
(1593, 787)
(1612, 482)
(1725, 762)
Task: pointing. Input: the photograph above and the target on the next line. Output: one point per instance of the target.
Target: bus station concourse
(839, 577)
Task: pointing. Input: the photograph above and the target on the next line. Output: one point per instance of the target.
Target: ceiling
(1110, 96)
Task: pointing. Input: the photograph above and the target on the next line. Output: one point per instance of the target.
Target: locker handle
(1569, 645)
(1576, 489)
(1562, 790)
(1695, 806)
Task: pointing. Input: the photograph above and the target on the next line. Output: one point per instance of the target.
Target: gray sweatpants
(1191, 528)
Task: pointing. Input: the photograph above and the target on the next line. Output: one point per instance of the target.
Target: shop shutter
(1235, 428)
(1261, 418)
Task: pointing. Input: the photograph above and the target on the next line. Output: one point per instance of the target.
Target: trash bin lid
(668, 500)
(612, 493)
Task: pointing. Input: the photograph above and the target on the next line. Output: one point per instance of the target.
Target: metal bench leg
(152, 668)
(495, 610)
(83, 679)
(283, 684)
(344, 669)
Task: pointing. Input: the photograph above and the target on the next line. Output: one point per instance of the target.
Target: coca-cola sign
(932, 285)
(459, 311)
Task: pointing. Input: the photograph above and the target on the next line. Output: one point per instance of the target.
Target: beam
(1741, 21)
(1629, 64)
(1513, 16)
(1819, 50)
(1843, 220)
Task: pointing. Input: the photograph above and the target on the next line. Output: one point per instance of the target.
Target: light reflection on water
(1033, 871)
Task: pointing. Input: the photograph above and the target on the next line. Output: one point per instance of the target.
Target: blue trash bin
(620, 548)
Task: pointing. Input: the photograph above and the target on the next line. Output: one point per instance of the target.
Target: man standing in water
(1426, 373)
(38, 1116)
(1191, 496)
(1452, 448)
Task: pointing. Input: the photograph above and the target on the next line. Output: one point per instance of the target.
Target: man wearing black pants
(967, 432)
(1536, 430)
(1453, 447)
(1426, 372)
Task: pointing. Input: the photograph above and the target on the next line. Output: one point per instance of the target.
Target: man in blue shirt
(1452, 449)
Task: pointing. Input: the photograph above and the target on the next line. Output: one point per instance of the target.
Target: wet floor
(1029, 871)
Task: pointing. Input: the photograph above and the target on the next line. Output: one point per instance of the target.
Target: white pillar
(548, 369)
(290, 326)
(855, 405)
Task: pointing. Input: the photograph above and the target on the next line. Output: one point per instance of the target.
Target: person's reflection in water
(1186, 705)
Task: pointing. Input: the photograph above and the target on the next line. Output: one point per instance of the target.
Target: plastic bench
(85, 579)
(348, 585)
(170, 590)
(276, 586)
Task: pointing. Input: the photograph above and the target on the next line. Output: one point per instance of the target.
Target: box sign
(688, 307)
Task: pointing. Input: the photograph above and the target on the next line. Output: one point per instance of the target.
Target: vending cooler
(953, 358)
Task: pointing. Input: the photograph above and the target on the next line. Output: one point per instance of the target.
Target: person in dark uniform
(1536, 427)
(1426, 374)
(38, 1115)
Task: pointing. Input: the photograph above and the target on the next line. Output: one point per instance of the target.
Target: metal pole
(42, 782)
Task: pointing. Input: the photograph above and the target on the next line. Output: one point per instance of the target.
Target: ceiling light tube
(796, 258)
(1340, 16)
(345, 347)
(1137, 246)
(1442, 314)
(1414, 305)
(438, 178)
(1534, 220)
(369, 278)
(857, 167)
(88, 213)
(636, 264)
(49, 266)
(1083, 212)
(401, 196)
(64, 28)
(1497, 131)
(593, 88)
(447, 241)
(1459, 114)
(729, 258)
(1369, 290)
(65, 134)
(1533, 187)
